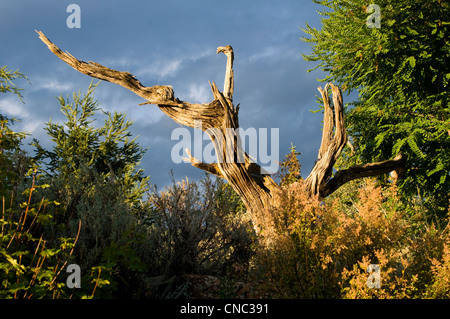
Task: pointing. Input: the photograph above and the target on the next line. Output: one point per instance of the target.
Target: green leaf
(415, 148)
(401, 74)
(13, 262)
(412, 61)
(13, 288)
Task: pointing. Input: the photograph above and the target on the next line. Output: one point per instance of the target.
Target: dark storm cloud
(168, 42)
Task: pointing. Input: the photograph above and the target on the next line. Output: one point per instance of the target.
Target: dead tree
(257, 189)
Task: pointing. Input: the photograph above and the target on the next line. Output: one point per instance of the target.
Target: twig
(70, 254)
(96, 283)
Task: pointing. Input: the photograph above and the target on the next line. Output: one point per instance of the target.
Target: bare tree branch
(228, 86)
(212, 168)
(181, 112)
(360, 171)
(332, 142)
(157, 94)
(334, 137)
(219, 120)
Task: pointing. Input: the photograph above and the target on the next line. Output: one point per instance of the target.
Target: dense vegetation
(194, 239)
(401, 73)
(85, 200)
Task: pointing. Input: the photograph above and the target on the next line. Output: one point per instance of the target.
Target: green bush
(93, 173)
(30, 263)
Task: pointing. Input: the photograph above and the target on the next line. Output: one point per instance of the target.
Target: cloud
(268, 53)
(13, 107)
(32, 126)
(168, 43)
(199, 93)
(52, 85)
(159, 69)
(156, 66)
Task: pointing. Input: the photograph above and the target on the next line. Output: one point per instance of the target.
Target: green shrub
(31, 264)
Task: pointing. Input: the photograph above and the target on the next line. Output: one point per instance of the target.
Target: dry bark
(320, 181)
(257, 189)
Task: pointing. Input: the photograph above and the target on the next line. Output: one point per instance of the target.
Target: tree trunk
(219, 119)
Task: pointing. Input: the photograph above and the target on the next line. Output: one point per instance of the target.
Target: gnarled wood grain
(219, 119)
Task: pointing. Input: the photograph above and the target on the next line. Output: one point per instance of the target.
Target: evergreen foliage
(93, 174)
(7, 84)
(80, 147)
(401, 73)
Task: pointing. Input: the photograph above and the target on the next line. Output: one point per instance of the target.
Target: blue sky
(174, 43)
